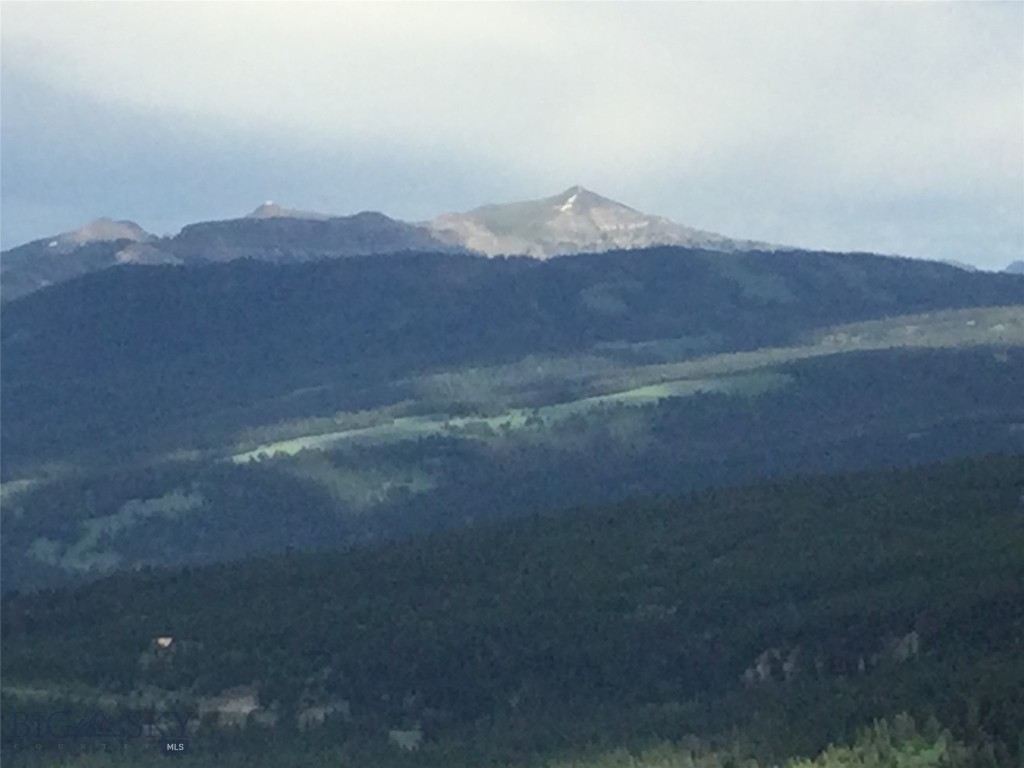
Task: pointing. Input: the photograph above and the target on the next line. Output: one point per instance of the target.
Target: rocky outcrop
(785, 663)
(230, 708)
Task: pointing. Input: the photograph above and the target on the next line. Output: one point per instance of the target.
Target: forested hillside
(123, 355)
(415, 474)
(162, 416)
(777, 618)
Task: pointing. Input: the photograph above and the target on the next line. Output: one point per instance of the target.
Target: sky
(885, 127)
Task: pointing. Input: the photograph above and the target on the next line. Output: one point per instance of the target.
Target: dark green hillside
(877, 409)
(84, 526)
(863, 595)
(109, 362)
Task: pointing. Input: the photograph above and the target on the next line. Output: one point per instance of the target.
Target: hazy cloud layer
(886, 127)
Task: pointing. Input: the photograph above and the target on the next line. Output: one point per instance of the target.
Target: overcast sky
(896, 128)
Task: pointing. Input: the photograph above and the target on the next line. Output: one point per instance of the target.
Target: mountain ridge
(576, 220)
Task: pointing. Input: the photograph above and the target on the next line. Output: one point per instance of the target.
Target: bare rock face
(576, 221)
(144, 253)
(102, 230)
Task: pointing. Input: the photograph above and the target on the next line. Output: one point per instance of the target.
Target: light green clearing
(360, 489)
(404, 428)
(954, 328)
(738, 373)
(411, 427)
(998, 326)
(505, 387)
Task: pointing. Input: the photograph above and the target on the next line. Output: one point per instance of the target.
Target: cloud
(69, 158)
(678, 108)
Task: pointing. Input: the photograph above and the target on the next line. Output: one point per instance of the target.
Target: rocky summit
(575, 221)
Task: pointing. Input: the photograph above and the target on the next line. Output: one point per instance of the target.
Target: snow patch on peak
(581, 199)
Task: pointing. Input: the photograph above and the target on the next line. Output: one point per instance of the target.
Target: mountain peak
(268, 210)
(105, 229)
(575, 191)
(577, 220)
(271, 210)
(579, 198)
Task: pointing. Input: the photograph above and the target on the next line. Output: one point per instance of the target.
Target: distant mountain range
(576, 221)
